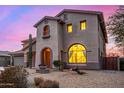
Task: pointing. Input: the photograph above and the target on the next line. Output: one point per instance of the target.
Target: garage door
(19, 61)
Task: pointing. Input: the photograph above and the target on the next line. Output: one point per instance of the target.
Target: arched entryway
(46, 57)
(77, 54)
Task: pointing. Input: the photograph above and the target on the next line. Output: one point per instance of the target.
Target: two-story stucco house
(77, 37)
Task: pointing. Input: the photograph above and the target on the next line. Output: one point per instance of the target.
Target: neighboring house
(17, 58)
(26, 51)
(21, 57)
(77, 37)
(4, 58)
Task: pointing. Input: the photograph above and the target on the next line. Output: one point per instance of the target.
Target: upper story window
(69, 28)
(83, 25)
(46, 31)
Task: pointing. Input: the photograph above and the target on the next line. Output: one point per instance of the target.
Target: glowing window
(46, 30)
(83, 25)
(69, 28)
(77, 54)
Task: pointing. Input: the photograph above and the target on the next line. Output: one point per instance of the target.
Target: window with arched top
(77, 54)
(46, 31)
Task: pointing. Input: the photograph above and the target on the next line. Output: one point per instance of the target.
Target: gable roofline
(98, 13)
(27, 46)
(77, 11)
(18, 53)
(103, 27)
(33, 42)
(27, 40)
(46, 17)
(4, 54)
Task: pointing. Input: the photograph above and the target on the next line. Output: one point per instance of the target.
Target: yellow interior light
(69, 28)
(77, 54)
(83, 25)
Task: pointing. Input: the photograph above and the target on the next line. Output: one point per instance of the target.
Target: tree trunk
(30, 51)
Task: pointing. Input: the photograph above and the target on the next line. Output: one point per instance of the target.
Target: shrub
(64, 64)
(38, 80)
(41, 83)
(16, 75)
(60, 65)
(7, 85)
(1, 79)
(49, 84)
(56, 63)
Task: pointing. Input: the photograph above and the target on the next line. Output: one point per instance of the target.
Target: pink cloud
(5, 11)
(106, 9)
(18, 30)
(15, 33)
(11, 46)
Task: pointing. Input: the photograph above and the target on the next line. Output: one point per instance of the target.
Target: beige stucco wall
(101, 41)
(60, 39)
(88, 37)
(102, 45)
(51, 42)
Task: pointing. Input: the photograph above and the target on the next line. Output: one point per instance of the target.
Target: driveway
(92, 78)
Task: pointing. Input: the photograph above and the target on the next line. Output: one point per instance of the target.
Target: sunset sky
(16, 22)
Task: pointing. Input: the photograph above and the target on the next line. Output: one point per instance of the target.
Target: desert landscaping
(92, 78)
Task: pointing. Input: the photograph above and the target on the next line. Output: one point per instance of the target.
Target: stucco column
(25, 57)
(37, 59)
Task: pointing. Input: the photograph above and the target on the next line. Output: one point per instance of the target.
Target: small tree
(115, 27)
(59, 64)
(16, 75)
(30, 51)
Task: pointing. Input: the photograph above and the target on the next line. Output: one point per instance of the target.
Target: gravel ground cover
(92, 78)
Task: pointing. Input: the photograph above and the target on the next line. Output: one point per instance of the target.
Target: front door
(46, 55)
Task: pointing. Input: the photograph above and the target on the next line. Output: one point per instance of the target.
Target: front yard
(92, 78)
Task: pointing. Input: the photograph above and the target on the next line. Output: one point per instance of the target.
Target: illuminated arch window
(46, 31)
(77, 54)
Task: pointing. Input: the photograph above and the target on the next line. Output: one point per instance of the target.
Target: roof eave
(102, 22)
(77, 11)
(46, 17)
(34, 42)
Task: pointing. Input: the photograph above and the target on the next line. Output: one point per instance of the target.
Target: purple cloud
(19, 20)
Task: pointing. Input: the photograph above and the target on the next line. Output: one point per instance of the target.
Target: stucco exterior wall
(33, 48)
(60, 39)
(101, 41)
(92, 38)
(51, 42)
(102, 50)
(88, 37)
